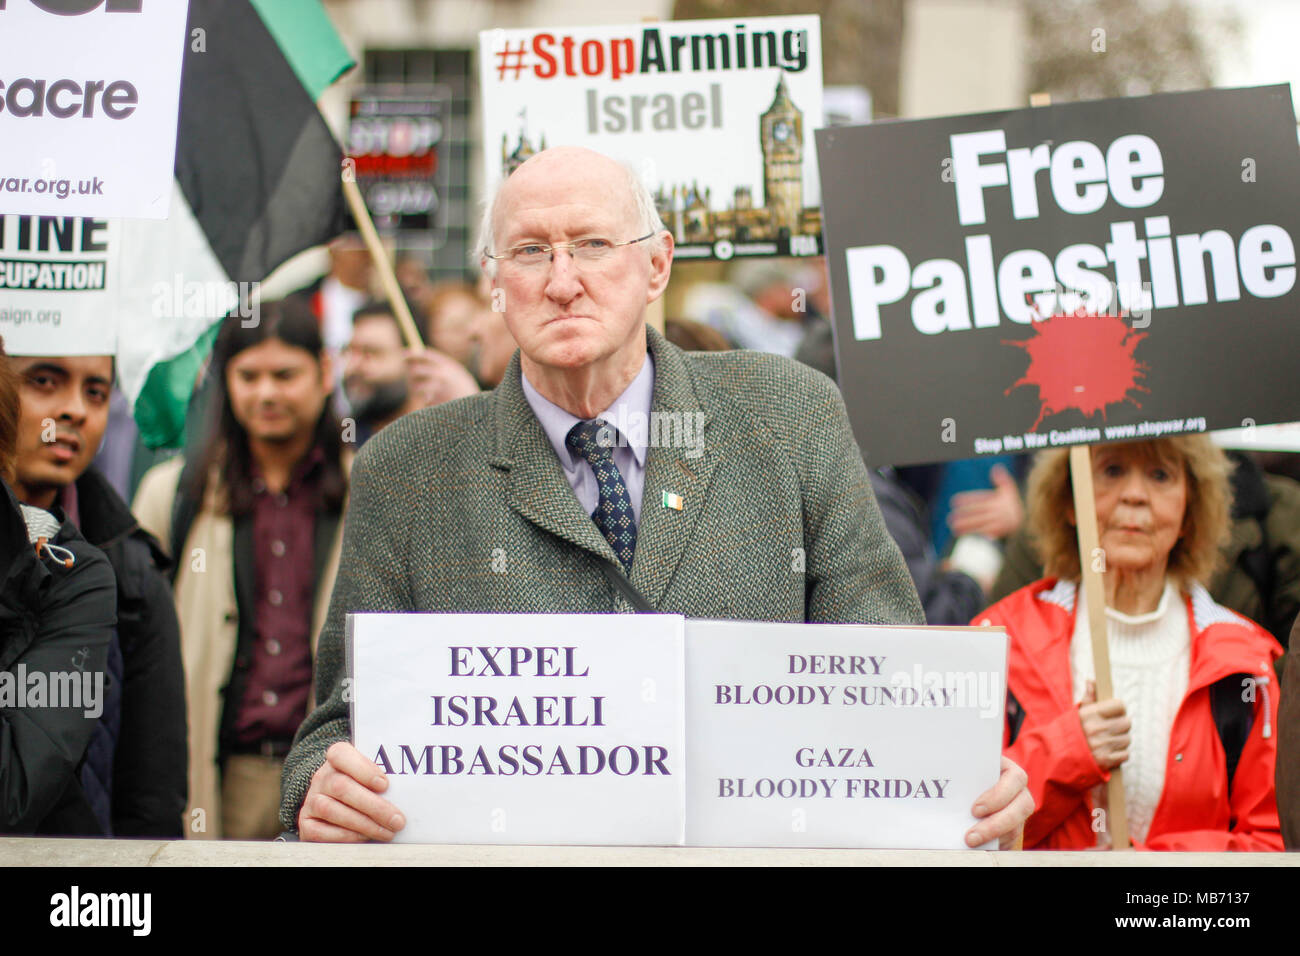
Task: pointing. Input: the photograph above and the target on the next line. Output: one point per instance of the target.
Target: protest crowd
(330, 465)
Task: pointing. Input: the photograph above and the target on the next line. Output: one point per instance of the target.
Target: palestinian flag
(257, 181)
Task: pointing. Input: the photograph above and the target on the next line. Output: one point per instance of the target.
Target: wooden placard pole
(387, 277)
(654, 312)
(1093, 591)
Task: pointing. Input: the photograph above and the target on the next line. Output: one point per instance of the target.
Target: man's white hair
(647, 219)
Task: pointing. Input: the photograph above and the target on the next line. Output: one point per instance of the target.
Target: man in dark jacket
(948, 596)
(56, 620)
(135, 770)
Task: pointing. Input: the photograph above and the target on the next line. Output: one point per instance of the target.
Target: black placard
(960, 330)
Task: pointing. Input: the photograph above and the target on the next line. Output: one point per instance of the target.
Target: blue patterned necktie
(594, 441)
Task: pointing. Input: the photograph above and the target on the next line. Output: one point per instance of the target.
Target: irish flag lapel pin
(673, 501)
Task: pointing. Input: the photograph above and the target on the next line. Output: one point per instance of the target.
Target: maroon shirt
(278, 683)
(68, 501)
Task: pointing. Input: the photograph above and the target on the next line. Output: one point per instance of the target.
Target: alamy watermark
(77, 908)
(178, 299)
(963, 690)
(1097, 297)
(656, 430)
(77, 690)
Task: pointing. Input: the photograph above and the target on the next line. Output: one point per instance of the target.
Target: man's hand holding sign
(344, 803)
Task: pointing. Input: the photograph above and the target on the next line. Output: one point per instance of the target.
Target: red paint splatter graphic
(1081, 361)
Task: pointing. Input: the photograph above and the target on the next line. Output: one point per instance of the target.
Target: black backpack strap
(1015, 717)
(1234, 716)
(1251, 502)
(1258, 564)
(185, 508)
(619, 582)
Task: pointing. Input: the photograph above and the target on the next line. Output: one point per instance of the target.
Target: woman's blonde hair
(1195, 554)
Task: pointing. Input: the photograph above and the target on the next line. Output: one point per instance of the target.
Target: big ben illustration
(781, 138)
(779, 219)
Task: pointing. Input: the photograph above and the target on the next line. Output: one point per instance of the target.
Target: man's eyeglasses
(584, 251)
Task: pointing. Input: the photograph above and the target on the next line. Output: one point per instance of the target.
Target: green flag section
(165, 395)
(257, 177)
(308, 41)
(172, 294)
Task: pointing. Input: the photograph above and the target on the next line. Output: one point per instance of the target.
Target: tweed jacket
(464, 507)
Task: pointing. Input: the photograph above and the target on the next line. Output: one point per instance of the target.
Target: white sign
(82, 286)
(59, 284)
(840, 735)
(89, 98)
(529, 728)
(717, 116)
(1252, 437)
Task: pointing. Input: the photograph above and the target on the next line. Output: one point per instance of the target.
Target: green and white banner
(256, 181)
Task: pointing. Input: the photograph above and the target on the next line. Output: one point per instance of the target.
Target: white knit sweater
(1150, 660)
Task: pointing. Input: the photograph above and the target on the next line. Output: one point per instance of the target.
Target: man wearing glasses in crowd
(549, 495)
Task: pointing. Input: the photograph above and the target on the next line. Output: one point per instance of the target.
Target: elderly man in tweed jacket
(486, 505)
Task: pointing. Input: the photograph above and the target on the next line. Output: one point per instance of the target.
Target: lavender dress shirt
(629, 415)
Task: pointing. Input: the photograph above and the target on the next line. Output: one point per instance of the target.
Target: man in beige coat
(254, 529)
(767, 512)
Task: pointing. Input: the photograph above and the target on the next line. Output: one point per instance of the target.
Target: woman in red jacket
(1192, 720)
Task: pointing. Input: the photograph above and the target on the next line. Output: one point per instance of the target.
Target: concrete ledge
(22, 851)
